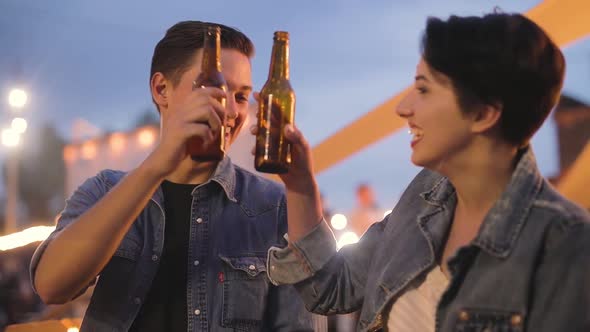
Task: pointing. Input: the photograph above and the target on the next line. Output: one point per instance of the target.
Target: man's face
(237, 71)
(366, 197)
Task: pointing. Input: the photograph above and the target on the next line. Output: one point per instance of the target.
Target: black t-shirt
(164, 308)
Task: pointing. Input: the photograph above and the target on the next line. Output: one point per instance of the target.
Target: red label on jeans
(220, 277)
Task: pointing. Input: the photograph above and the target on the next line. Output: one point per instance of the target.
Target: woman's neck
(480, 176)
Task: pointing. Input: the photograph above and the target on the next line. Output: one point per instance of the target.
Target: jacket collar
(504, 221)
(224, 175)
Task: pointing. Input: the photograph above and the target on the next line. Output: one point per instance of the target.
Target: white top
(415, 310)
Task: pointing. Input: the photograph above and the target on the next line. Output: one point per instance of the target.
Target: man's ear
(486, 117)
(159, 87)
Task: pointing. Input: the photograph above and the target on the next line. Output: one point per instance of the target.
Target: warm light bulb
(17, 98)
(347, 238)
(146, 137)
(19, 125)
(10, 138)
(338, 221)
(88, 150)
(117, 142)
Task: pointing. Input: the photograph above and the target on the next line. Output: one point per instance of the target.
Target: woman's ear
(486, 117)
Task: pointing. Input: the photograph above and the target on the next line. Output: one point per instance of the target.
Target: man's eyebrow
(244, 87)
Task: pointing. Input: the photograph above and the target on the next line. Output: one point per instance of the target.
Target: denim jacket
(528, 268)
(236, 217)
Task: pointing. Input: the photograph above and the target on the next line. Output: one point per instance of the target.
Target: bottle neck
(211, 52)
(279, 65)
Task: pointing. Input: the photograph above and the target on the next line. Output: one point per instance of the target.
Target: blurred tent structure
(575, 183)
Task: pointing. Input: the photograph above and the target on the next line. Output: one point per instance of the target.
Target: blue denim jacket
(527, 269)
(236, 217)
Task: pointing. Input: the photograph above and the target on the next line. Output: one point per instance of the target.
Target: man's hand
(198, 115)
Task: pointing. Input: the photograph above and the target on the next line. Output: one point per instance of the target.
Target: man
(179, 245)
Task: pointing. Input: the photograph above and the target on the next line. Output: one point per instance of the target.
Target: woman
(479, 241)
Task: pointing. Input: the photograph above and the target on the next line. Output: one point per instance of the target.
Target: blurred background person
(367, 211)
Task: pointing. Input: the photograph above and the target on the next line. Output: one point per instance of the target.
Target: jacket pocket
(488, 320)
(130, 247)
(245, 287)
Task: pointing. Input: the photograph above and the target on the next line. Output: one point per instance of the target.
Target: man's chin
(205, 159)
(229, 141)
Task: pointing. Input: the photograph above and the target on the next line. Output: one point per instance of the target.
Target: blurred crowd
(18, 301)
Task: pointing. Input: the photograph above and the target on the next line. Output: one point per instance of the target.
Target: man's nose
(231, 108)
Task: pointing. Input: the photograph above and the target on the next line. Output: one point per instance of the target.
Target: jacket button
(154, 257)
(199, 220)
(197, 312)
(251, 267)
(463, 316)
(516, 320)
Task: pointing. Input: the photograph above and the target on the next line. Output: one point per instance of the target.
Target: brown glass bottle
(276, 109)
(210, 76)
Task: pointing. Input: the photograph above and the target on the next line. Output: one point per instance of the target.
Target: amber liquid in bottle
(276, 109)
(210, 75)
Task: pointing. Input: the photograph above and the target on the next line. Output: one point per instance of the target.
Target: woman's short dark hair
(498, 59)
(173, 55)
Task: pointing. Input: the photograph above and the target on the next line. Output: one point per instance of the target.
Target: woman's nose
(404, 108)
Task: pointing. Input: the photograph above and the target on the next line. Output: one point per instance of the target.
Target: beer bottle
(276, 109)
(210, 76)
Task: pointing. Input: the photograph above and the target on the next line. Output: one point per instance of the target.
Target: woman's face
(440, 131)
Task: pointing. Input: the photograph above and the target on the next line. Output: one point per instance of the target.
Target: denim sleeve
(81, 200)
(561, 290)
(329, 282)
(299, 261)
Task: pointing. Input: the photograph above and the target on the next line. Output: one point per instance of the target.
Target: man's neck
(192, 172)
